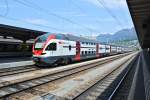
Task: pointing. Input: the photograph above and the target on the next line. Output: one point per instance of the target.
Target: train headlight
(43, 53)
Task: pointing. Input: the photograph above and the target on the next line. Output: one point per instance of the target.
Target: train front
(40, 55)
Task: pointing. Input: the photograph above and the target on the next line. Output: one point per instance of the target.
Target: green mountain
(124, 34)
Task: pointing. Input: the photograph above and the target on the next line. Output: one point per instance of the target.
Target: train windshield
(39, 46)
(42, 38)
(39, 43)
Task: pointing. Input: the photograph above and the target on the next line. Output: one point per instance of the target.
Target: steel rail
(50, 77)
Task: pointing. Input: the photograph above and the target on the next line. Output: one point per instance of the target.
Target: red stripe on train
(77, 57)
(97, 50)
(39, 52)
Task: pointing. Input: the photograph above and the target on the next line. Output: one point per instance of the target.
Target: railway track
(107, 88)
(9, 89)
(17, 70)
(123, 89)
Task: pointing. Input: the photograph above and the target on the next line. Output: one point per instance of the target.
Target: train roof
(72, 38)
(81, 39)
(75, 38)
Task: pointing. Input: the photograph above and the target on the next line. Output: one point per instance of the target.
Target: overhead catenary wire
(45, 26)
(83, 11)
(101, 2)
(38, 8)
(122, 13)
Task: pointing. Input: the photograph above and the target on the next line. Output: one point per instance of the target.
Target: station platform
(15, 54)
(140, 89)
(15, 62)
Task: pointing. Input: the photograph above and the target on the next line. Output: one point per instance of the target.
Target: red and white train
(50, 49)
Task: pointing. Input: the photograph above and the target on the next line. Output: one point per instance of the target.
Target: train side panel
(88, 50)
(102, 50)
(108, 50)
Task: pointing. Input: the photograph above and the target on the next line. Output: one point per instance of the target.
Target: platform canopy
(140, 13)
(19, 33)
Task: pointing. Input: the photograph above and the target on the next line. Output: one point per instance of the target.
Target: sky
(78, 17)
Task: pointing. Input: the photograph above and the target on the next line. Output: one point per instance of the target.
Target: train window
(52, 47)
(85, 52)
(42, 38)
(107, 48)
(82, 52)
(1, 47)
(101, 48)
(69, 47)
(89, 52)
(39, 46)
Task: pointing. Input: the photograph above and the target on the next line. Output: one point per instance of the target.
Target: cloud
(108, 3)
(36, 21)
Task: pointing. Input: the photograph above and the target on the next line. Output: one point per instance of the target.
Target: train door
(97, 50)
(77, 51)
(52, 49)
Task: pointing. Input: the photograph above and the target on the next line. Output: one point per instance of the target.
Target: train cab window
(69, 47)
(52, 47)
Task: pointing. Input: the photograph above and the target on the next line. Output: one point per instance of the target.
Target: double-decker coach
(63, 48)
(49, 49)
